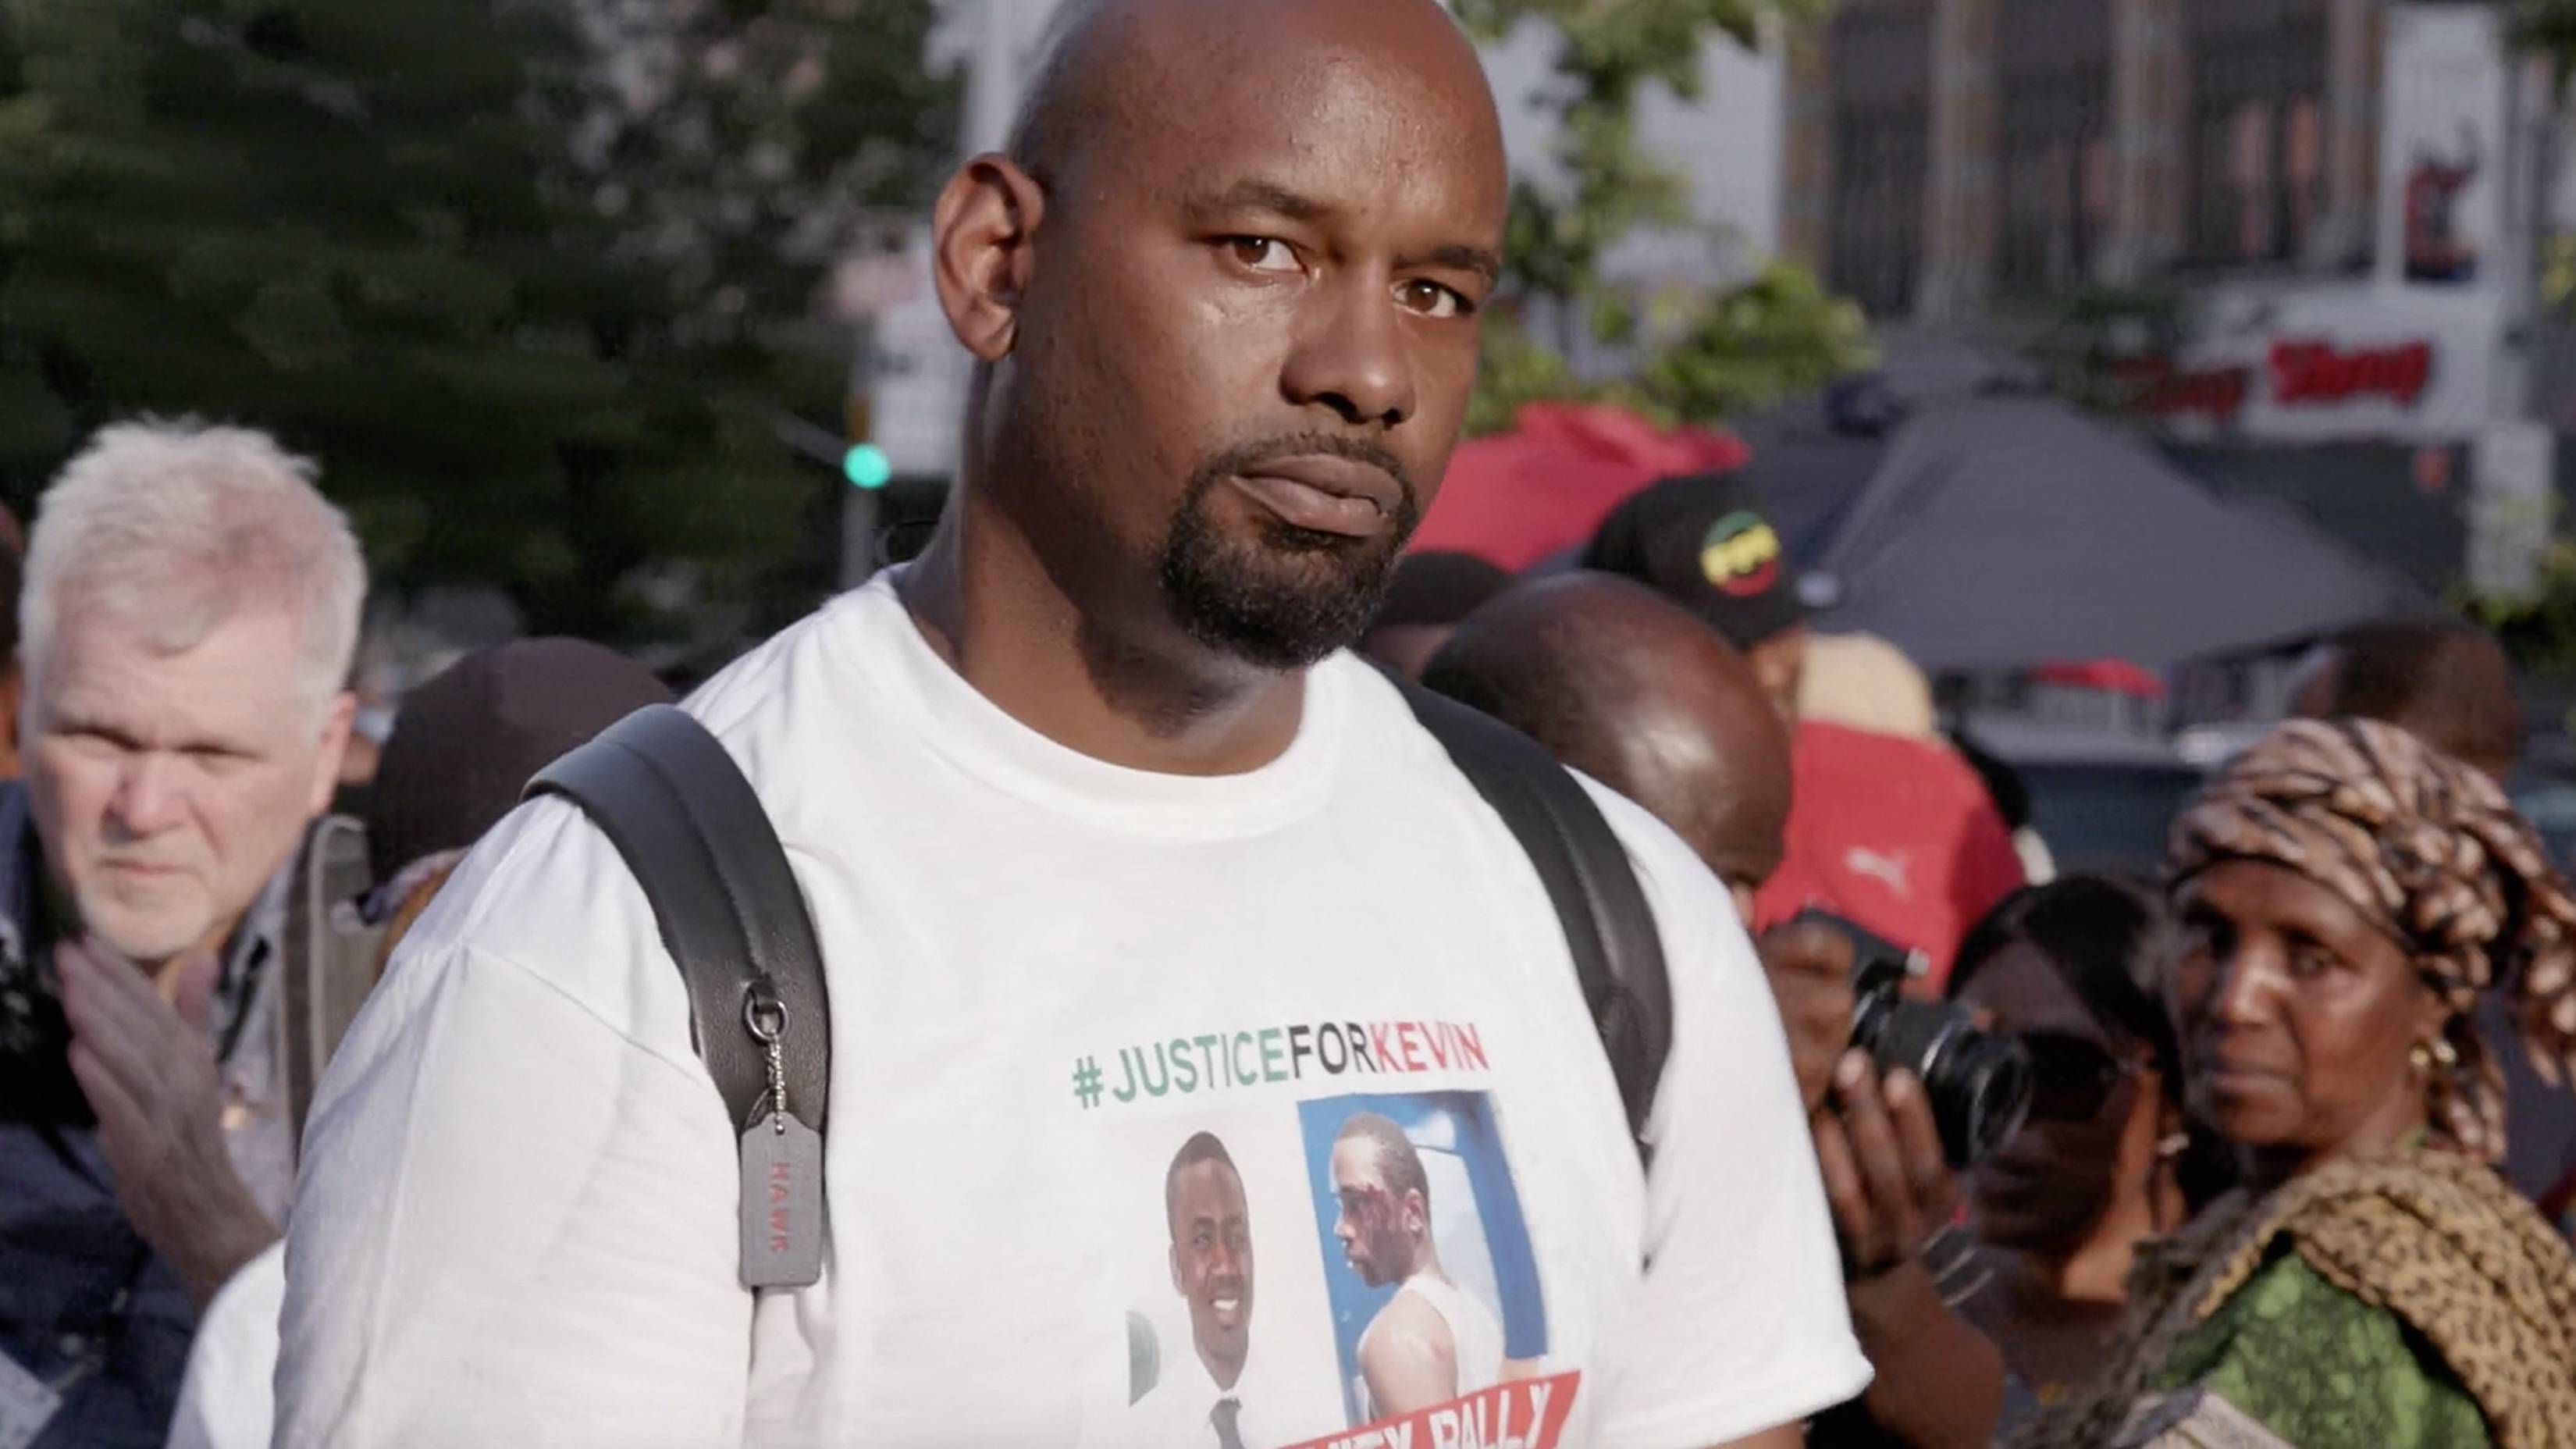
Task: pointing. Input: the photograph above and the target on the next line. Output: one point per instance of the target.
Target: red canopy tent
(1517, 497)
(2109, 676)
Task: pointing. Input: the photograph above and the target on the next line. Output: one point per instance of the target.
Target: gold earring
(2438, 1053)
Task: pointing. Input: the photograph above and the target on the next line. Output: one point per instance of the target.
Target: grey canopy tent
(1999, 533)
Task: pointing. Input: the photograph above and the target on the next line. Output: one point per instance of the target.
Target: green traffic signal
(867, 465)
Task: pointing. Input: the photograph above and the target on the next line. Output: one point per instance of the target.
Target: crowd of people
(348, 1100)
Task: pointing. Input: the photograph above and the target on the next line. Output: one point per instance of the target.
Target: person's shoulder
(767, 691)
(1409, 1321)
(1694, 913)
(545, 894)
(2313, 1360)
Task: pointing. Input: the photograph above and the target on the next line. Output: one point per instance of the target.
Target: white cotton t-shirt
(225, 1402)
(1049, 975)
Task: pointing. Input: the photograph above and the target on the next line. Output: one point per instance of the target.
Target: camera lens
(1979, 1083)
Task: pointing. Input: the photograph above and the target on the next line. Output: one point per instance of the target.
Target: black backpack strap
(1618, 954)
(675, 805)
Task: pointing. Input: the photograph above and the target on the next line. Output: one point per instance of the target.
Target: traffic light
(867, 466)
(864, 463)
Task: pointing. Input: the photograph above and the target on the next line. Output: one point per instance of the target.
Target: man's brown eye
(1262, 253)
(1432, 299)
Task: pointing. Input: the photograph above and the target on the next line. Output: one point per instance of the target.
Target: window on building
(2053, 142)
(2257, 130)
(1879, 61)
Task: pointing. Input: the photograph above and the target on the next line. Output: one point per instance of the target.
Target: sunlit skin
(168, 788)
(1212, 1264)
(2299, 1017)
(1779, 663)
(1279, 232)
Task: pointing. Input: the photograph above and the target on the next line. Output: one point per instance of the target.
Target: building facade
(2283, 224)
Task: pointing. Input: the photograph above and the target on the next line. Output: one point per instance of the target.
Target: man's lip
(1324, 491)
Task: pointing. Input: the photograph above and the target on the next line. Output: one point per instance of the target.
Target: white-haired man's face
(168, 788)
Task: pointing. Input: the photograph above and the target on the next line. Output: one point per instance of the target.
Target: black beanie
(466, 743)
(1705, 541)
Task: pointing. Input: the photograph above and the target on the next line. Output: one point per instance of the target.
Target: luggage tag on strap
(782, 1172)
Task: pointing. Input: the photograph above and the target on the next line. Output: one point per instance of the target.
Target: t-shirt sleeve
(517, 1222)
(225, 1402)
(1738, 1323)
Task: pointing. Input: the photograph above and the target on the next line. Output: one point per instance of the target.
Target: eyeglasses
(2072, 1077)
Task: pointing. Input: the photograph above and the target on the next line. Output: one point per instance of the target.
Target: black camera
(1979, 1082)
(36, 1082)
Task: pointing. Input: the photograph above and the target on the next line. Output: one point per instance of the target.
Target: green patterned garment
(2324, 1370)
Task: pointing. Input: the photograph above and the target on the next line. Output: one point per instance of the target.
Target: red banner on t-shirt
(1527, 1414)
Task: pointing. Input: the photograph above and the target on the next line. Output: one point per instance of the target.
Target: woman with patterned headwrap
(2349, 895)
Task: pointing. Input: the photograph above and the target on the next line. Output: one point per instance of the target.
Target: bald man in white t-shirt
(1106, 839)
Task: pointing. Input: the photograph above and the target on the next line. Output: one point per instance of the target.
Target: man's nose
(1352, 356)
(149, 797)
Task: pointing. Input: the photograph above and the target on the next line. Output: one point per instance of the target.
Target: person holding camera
(190, 611)
(1889, 1177)
(2074, 970)
(1628, 687)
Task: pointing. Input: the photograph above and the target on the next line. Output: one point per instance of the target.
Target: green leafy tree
(385, 230)
(1701, 355)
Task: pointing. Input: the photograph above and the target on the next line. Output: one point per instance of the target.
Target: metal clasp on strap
(763, 1014)
(765, 1017)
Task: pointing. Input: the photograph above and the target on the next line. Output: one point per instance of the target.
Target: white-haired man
(190, 609)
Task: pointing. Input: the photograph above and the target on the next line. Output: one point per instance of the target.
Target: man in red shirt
(1894, 833)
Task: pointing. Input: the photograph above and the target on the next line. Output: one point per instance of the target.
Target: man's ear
(982, 254)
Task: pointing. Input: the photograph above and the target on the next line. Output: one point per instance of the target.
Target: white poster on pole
(2442, 148)
(2513, 503)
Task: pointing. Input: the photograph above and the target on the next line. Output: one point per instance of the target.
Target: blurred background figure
(460, 751)
(2448, 683)
(191, 606)
(467, 741)
(1862, 682)
(2444, 680)
(2345, 892)
(2075, 969)
(1628, 688)
(1706, 542)
(1431, 593)
(1889, 829)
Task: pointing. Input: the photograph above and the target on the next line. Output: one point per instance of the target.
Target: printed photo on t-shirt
(1223, 1307)
(1345, 1273)
(1438, 1319)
